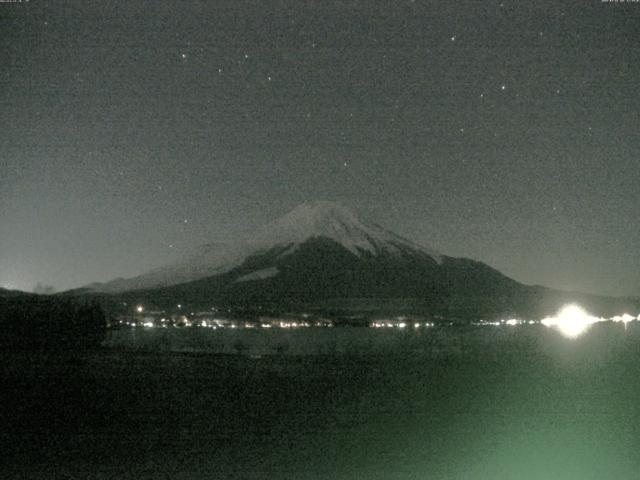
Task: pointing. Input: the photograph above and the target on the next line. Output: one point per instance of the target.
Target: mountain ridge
(321, 256)
(308, 220)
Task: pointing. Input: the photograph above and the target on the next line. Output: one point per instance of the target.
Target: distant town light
(624, 318)
(139, 309)
(572, 321)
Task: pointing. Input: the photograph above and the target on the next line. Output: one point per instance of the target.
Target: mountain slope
(308, 221)
(321, 269)
(321, 256)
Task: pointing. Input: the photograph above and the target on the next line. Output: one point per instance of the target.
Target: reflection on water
(584, 334)
(479, 403)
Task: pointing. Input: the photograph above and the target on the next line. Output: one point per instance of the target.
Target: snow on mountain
(333, 221)
(307, 221)
(259, 274)
(205, 261)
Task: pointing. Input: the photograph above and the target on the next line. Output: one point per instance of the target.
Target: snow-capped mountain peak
(309, 220)
(335, 222)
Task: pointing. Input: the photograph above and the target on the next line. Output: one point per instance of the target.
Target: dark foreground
(532, 413)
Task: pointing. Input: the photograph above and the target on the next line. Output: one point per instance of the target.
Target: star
(453, 38)
(184, 56)
(503, 87)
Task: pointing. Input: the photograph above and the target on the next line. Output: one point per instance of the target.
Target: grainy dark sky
(503, 131)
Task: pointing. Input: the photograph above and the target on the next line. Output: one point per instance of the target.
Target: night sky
(503, 131)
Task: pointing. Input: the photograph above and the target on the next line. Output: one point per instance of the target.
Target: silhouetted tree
(41, 289)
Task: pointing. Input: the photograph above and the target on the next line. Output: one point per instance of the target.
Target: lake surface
(599, 341)
(352, 403)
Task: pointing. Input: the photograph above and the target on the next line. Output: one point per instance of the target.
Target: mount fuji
(311, 221)
(322, 255)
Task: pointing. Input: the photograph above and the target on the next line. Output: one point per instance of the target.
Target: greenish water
(516, 404)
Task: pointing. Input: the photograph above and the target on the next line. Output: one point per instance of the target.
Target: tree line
(34, 322)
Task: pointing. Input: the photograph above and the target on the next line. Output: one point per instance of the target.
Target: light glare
(572, 321)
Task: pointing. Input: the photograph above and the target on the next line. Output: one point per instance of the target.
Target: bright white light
(572, 321)
(624, 318)
(139, 309)
(148, 324)
(402, 325)
(511, 322)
